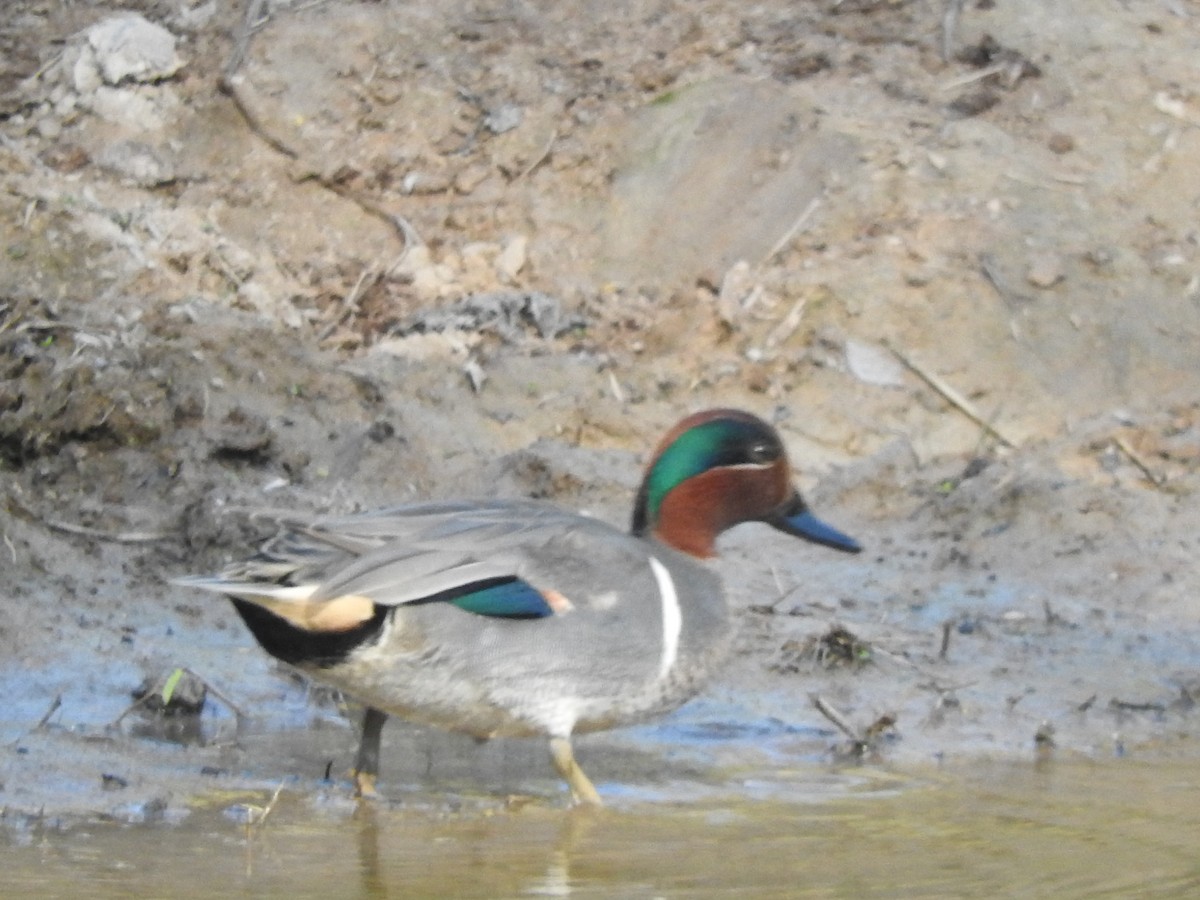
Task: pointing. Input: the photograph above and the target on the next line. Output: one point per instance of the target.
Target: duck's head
(718, 468)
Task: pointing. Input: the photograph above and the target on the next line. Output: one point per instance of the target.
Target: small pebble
(512, 258)
(1060, 143)
(1045, 270)
(49, 128)
(470, 178)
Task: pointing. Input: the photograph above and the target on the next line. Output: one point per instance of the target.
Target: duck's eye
(762, 453)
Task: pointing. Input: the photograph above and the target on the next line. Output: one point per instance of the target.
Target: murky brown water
(1117, 828)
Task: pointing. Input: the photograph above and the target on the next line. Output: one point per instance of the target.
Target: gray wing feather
(404, 554)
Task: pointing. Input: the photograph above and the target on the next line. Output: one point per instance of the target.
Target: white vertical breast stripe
(671, 618)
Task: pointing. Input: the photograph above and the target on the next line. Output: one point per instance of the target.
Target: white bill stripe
(671, 617)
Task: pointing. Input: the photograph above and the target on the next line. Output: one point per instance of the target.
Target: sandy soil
(412, 250)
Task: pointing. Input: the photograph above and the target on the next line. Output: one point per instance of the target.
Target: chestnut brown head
(716, 469)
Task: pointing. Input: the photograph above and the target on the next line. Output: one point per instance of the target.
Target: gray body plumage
(613, 654)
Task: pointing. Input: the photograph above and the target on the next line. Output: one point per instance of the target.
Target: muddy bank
(1000, 597)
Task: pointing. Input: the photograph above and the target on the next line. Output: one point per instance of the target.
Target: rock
(872, 364)
(512, 258)
(420, 270)
(137, 163)
(503, 118)
(85, 74)
(186, 696)
(466, 181)
(131, 108)
(1060, 143)
(427, 282)
(253, 295)
(1045, 270)
(423, 347)
(64, 157)
(478, 273)
(198, 18)
(738, 284)
(48, 127)
(130, 47)
(416, 258)
(505, 313)
(424, 183)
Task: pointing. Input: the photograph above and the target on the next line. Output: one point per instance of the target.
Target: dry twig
(1125, 447)
(118, 537)
(55, 704)
(350, 302)
(258, 821)
(840, 721)
(540, 158)
(256, 16)
(947, 629)
(951, 396)
(233, 86)
(220, 695)
(793, 229)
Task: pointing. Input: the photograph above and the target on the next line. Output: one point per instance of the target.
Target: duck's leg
(582, 789)
(366, 764)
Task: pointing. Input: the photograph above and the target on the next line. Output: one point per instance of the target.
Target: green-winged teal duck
(518, 618)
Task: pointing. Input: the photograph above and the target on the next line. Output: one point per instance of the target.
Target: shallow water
(1062, 829)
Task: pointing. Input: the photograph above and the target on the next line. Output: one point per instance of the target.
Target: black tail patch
(298, 647)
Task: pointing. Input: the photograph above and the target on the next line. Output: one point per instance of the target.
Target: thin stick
(349, 303)
(950, 27)
(45, 67)
(403, 227)
(787, 325)
(258, 823)
(1136, 459)
(540, 158)
(224, 698)
(987, 265)
(119, 537)
(51, 711)
(252, 21)
(55, 704)
(145, 698)
(793, 230)
(231, 86)
(208, 685)
(615, 387)
(843, 725)
(951, 396)
(971, 78)
(351, 299)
